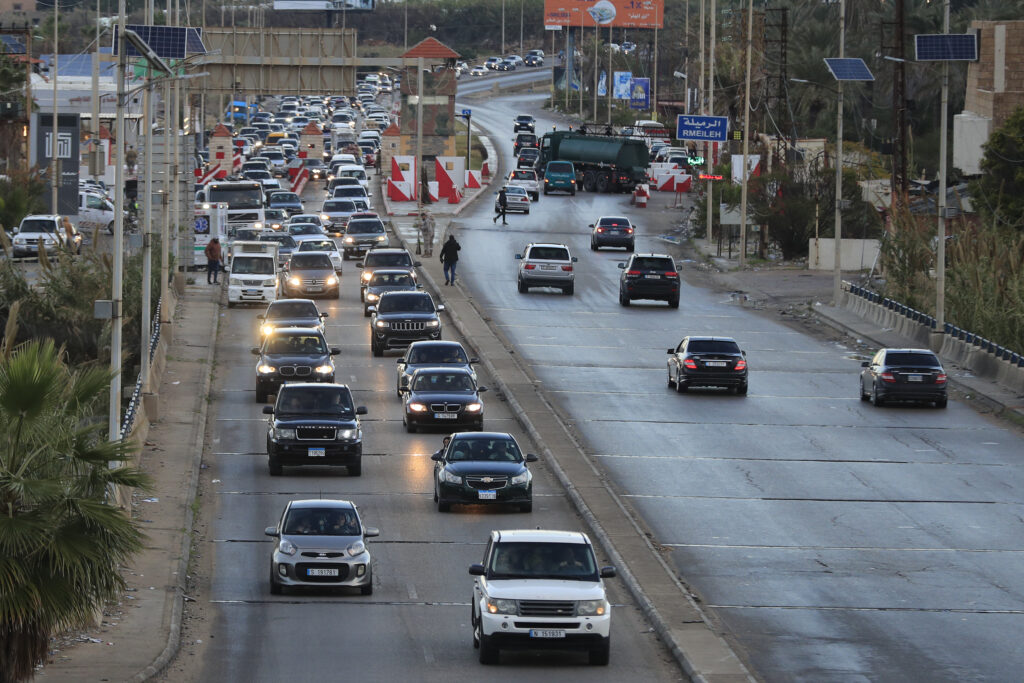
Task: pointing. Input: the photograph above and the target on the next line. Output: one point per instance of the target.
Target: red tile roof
(311, 129)
(392, 130)
(221, 131)
(431, 48)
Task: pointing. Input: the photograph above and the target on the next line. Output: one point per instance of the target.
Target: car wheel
(673, 303)
(742, 390)
(337, 293)
(443, 506)
(377, 350)
(368, 588)
(366, 313)
(523, 289)
(475, 626)
(409, 427)
(623, 299)
(362, 295)
(275, 587)
(680, 384)
(545, 191)
(355, 470)
(631, 247)
(603, 182)
(589, 181)
(600, 655)
(942, 402)
(489, 652)
(569, 289)
(593, 246)
(876, 399)
(274, 467)
(110, 228)
(527, 212)
(860, 390)
(526, 507)
(671, 382)
(572, 192)
(231, 304)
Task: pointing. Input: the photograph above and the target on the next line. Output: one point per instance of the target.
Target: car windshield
(614, 221)
(349, 191)
(651, 263)
(524, 175)
(321, 522)
(549, 254)
(284, 240)
(297, 344)
(411, 303)
(243, 234)
(317, 245)
(37, 226)
(311, 261)
(292, 309)
(285, 197)
(525, 139)
(516, 190)
(483, 448)
(566, 561)
(712, 346)
(362, 227)
(339, 207)
(443, 381)
(560, 167)
(919, 359)
(252, 265)
(304, 229)
(425, 355)
(359, 174)
(401, 258)
(391, 280)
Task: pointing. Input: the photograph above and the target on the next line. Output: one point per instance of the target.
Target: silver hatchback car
(546, 265)
(321, 544)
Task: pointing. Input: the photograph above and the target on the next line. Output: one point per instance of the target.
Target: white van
(95, 211)
(252, 275)
(354, 171)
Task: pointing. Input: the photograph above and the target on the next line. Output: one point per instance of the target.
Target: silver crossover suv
(321, 543)
(546, 265)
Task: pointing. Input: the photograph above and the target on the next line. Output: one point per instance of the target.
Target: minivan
(560, 175)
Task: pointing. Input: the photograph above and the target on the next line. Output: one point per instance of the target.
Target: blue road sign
(640, 93)
(707, 128)
(466, 112)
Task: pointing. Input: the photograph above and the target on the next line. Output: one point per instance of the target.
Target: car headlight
(366, 276)
(270, 283)
(450, 477)
(372, 297)
(287, 547)
(332, 280)
(357, 548)
(382, 238)
(266, 369)
(433, 323)
(346, 434)
(266, 329)
(295, 281)
(284, 432)
(257, 226)
(591, 608)
(523, 478)
(418, 407)
(383, 323)
(324, 369)
(474, 407)
(349, 240)
(325, 217)
(501, 606)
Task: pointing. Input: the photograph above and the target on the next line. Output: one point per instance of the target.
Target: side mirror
(419, 286)
(865, 364)
(323, 315)
(530, 457)
(477, 570)
(361, 410)
(622, 266)
(335, 351)
(359, 265)
(440, 308)
(519, 256)
(400, 360)
(370, 532)
(671, 350)
(474, 360)
(480, 390)
(271, 531)
(416, 264)
(268, 410)
(574, 259)
(259, 317)
(254, 351)
(371, 309)
(436, 457)
(591, 225)
(608, 572)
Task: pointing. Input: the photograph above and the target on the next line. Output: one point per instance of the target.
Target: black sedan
(290, 313)
(708, 362)
(446, 397)
(388, 280)
(903, 375)
(612, 231)
(482, 467)
(292, 354)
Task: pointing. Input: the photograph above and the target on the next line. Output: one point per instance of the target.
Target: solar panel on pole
(194, 41)
(848, 69)
(946, 47)
(168, 42)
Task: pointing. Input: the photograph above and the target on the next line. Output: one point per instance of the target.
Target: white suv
(540, 589)
(546, 265)
(53, 232)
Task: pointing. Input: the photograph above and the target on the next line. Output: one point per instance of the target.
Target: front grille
(295, 370)
(327, 555)
(567, 625)
(243, 217)
(547, 608)
(315, 433)
(313, 282)
(252, 283)
(478, 482)
(408, 326)
(301, 567)
(445, 407)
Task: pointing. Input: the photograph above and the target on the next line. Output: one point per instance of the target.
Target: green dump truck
(603, 163)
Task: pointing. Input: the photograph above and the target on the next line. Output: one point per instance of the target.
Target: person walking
(502, 206)
(213, 256)
(449, 257)
(131, 157)
(427, 226)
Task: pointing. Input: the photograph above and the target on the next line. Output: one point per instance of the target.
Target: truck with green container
(603, 163)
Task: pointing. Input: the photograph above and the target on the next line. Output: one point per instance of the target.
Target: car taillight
(671, 273)
(940, 378)
(740, 365)
(600, 229)
(690, 364)
(634, 273)
(567, 269)
(629, 231)
(887, 377)
(529, 266)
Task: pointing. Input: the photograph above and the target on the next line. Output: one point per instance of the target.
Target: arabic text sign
(707, 128)
(617, 13)
(640, 93)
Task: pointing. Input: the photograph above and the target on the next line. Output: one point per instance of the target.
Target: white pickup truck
(539, 589)
(526, 179)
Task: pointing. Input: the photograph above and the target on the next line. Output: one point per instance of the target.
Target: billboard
(43, 148)
(620, 89)
(325, 5)
(616, 13)
(640, 93)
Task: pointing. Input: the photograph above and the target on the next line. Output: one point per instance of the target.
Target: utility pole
(837, 273)
(746, 138)
(94, 129)
(711, 112)
(147, 217)
(114, 416)
(940, 248)
(55, 169)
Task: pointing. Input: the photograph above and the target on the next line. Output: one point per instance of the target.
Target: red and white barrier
(485, 170)
(472, 180)
(208, 177)
(455, 197)
(432, 190)
(665, 182)
(400, 191)
(684, 182)
(451, 175)
(300, 180)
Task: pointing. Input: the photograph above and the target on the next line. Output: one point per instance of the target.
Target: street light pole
(117, 286)
(147, 217)
(837, 267)
(940, 248)
(746, 139)
(55, 170)
(502, 28)
(711, 111)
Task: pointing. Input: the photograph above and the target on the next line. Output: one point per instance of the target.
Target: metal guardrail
(131, 412)
(1000, 352)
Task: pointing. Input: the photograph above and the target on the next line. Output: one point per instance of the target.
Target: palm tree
(60, 542)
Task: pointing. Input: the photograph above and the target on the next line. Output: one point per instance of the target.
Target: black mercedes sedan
(903, 375)
(314, 424)
(482, 467)
(445, 397)
(290, 313)
(292, 354)
(708, 362)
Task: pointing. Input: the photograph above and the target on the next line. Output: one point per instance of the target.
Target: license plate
(652, 277)
(716, 363)
(252, 292)
(915, 378)
(445, 416)
(488, 495)
(317, 452)
(547, 267)
(547, 633)
(322, 572)
(314, 289)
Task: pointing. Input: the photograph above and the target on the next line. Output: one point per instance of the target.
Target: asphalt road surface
(416, 624)
(833, 541)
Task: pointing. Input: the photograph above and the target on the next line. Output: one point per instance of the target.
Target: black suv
(708, 362)
(649, 276)
(903, 375)
(400, 318)
(524, 123)
(292, 354)
(314, 424)
(388, 257)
